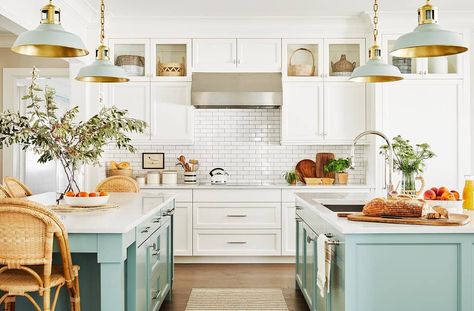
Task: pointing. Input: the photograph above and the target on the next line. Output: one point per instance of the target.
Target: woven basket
(132, 64)
(127, 173)
(170, 69)
(343, 67)
(301, 69)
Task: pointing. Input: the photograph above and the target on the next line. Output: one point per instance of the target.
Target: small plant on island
(291, 177)
(61, 138)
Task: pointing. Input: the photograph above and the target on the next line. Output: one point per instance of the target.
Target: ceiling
(167, 8)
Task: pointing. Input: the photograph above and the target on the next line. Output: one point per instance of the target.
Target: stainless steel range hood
(236, 90)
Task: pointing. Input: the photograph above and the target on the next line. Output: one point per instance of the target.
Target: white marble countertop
(133, 209)
(258, 185)
(345, 226)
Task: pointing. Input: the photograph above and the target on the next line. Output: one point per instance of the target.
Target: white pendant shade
(102, 71)
(428, 40)
(376, 71)
(49, 39)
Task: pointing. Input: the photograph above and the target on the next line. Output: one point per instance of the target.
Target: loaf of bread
(400, 207)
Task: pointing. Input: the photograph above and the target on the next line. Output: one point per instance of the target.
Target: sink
(344, 208)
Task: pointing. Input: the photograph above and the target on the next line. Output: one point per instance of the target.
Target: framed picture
(155, 160)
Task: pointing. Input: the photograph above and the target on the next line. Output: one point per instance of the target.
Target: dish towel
(323, 264)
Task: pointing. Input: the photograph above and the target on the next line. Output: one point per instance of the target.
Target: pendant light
(376, 70)
(428, 39)
(49, 39)
(102, 69)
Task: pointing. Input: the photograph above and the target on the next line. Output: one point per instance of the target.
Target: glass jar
(468, 192)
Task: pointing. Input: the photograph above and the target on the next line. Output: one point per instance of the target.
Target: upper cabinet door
(171, 60)
(214, 55)
(259, 55)
(302, 59)
(342, 56)
(344, 111)
(302, 113)
(134, 97)
(171, 113)
(133, 55)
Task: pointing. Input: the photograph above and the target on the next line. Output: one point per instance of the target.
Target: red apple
(435, 189)
(429, 195)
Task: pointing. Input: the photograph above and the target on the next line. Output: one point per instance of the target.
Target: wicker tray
(120, 172)
(170, 69)
(74, 209)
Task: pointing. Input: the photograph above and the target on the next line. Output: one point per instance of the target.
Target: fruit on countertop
(82, 194)
(119, 165)
(103, 194)
(70, 194)
(441, 194)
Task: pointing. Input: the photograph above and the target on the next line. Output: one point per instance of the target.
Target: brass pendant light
(376, 70)
(102, 69)
(428, 39)
(49, 39)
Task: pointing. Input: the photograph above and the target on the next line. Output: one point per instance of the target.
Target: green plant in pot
(291, 177)
(340, 167)
(59, 137)
(410, 161)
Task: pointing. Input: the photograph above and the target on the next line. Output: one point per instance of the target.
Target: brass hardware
(50, 14)
(427, 14)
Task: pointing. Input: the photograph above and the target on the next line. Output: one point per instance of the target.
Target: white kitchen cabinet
(231, 55)
(322, 112)
(302, 113)
(259, 55)
(183, 233)
(344, 111)
(134, 97)
(432, 112)
(171, 113)
(214, 55)
(288, 229)
(121, 52)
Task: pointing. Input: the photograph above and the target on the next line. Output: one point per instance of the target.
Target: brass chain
(102, 21)
(376, 21)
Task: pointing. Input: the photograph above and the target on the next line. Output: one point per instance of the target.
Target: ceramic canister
(153, 178)
(169, 178)
(190, 177)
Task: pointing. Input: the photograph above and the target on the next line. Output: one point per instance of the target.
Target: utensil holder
(190, 177)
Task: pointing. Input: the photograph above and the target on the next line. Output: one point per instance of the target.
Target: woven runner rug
(248, 299)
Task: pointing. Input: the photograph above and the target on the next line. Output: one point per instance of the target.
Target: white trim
(10, 168)
(234, 260)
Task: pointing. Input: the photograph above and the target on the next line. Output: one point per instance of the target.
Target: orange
(70, 194)
(448, 196)
(103, 194)
(456, 194)
(83, 194)
(93, 194)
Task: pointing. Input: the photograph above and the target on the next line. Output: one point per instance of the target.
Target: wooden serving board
(306, 169)
(322, 158)
(454, 220)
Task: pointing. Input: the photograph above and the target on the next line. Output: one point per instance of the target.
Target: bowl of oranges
(86, 199)
(443, 196)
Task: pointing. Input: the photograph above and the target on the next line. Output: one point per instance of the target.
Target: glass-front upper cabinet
(445, 67)
(133, 56)
(171, 59)
(322, 59)
(303, 59)
(342, 56)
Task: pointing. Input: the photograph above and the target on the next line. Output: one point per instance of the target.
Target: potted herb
(61, 138)
(338, 166)
(409, 160)
(291, 177)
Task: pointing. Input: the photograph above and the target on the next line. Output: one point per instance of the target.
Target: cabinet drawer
(237, 242)
(237, 215)
(237, 195)
(182, 195)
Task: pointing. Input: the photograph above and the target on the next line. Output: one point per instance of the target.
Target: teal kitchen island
(125, 253)
(378, 266)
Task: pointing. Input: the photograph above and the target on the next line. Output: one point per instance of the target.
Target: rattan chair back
(4, 192)
(118, 184)
(16, 188)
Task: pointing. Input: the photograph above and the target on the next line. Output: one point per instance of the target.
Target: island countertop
(133, 209)
(314, 203)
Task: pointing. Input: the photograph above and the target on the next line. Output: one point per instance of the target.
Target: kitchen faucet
(390, 187)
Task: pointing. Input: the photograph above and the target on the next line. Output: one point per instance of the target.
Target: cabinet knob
(298, 219)
(155, 294)
(156, 219)
(145, 230)
(309, 239)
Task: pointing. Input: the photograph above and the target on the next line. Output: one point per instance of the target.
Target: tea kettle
(218, 176)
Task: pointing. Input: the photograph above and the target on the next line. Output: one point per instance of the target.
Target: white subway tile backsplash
(246, 142)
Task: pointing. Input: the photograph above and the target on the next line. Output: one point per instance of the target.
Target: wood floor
(188, 276)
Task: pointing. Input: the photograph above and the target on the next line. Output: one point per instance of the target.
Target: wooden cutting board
(454, 220)
(305, 169)
(322, 158)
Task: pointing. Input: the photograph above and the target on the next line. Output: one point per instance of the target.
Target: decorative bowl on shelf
(86, 201)
(327, 181)
(454, 207)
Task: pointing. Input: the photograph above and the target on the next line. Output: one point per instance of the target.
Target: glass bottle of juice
(468, 192)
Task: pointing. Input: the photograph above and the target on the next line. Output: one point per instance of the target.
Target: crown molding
(7, 40)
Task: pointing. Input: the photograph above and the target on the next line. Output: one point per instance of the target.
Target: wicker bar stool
(16, 188)
(4, 192)
(118, 184)
(26, 266)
